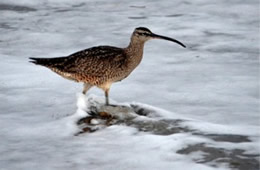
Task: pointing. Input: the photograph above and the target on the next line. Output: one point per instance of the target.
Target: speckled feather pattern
(96, 65)
(99, 66)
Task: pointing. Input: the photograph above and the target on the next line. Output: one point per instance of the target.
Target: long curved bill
(167, 38)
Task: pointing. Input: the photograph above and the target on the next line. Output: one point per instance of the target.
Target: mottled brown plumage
(103, 65)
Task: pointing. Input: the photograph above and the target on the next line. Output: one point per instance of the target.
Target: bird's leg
(86, 88)
(106, 86)
(107, 98)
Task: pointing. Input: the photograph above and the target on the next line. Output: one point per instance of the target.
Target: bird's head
(144, 34)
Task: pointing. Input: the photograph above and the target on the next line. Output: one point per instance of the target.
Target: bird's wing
(94, 62)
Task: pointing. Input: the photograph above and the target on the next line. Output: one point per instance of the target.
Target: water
(215, 81)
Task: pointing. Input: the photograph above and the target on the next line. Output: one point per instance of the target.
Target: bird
(101, 66)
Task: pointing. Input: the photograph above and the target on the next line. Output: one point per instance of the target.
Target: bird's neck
(135, 52)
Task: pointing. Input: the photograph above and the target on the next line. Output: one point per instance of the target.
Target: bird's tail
(39, 61)
(48, 62)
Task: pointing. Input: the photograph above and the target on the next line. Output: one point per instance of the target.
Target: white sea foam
(212, 85)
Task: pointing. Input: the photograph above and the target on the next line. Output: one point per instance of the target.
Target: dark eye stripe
(143, 34)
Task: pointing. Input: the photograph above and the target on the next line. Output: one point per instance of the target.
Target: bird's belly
(105, 86)
(68, 76)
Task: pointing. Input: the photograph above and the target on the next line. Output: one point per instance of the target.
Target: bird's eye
(142, 34)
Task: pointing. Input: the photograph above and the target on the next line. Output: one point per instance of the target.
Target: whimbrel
(102, 65)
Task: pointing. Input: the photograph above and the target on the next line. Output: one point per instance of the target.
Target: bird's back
(95, 65)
